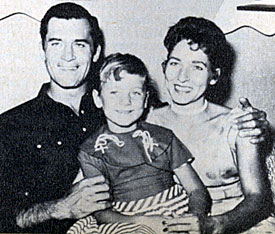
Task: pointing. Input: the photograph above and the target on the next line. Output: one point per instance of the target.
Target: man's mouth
(183, 88)
(68, 68)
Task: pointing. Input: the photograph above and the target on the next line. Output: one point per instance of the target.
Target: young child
(138, 159)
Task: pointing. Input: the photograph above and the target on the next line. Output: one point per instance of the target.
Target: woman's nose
(183, 75)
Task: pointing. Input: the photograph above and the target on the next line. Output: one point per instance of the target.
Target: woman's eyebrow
(174, 58)
(200, 62)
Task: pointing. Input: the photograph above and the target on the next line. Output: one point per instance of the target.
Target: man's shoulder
(21, 113)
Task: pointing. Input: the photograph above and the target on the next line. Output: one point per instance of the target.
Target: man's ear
(97, 99)
(41, 51)
(215, 77)
(97, 54)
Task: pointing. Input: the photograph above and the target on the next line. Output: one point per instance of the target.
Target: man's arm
(87, 196)
(252, 123)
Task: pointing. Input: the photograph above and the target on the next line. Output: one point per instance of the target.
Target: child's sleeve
(91, 166)
(179, 154)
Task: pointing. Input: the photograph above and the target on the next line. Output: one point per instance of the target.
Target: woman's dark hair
(209, 38)
(115, 63)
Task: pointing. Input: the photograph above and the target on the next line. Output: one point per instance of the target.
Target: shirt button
(82, 112)
(84, 129)
(59, 143)
(26, 194)
(39, 146)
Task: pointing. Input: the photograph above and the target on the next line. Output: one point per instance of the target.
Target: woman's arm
(256, 205)
(199, 198)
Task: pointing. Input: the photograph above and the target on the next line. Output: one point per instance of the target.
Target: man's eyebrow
(201, 62)
(82, 40)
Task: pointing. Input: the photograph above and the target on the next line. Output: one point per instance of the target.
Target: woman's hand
(250, 122)
(188, 223)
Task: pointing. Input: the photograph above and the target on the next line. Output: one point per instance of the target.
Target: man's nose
(68, 53)
(183, 74)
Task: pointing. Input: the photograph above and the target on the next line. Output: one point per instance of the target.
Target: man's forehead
(69, 28)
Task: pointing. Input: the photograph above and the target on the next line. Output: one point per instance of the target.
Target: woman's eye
(199, 68)
(172, 63)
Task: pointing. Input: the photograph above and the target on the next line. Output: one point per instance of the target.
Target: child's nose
(125, 100)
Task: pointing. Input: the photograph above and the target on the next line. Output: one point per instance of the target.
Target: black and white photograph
(137, 116)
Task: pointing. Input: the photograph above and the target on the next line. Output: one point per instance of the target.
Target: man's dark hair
(68, 11)
(211, 40)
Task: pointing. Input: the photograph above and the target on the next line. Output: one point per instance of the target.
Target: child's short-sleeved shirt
(137, 164)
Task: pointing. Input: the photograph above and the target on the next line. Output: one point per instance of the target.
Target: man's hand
(87, 196)
(250, 122)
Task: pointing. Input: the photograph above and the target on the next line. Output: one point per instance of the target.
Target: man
(39, 139)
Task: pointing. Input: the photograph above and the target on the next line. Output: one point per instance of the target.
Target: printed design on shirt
(147, 142)
(101, 143)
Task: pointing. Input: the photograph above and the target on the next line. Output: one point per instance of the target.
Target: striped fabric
(167, 203)
(171, 202)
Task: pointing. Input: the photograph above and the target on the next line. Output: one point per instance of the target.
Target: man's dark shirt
(39, 143)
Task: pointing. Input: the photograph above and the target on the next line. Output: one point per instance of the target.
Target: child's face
(123, 101)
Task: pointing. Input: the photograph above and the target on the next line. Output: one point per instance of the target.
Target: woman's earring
(213, 82)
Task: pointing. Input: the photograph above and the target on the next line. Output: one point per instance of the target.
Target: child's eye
(137, 93)
(55, 43)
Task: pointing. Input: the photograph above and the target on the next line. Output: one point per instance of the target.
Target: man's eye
(80, 45)
(113, 92)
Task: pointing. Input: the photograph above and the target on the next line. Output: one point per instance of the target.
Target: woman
(198, 57)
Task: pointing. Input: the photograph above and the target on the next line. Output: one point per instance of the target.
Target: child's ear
(97, 99)
(146, 100)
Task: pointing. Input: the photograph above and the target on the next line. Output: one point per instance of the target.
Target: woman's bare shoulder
(216, 110)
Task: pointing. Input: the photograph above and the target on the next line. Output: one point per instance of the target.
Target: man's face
(69, 51)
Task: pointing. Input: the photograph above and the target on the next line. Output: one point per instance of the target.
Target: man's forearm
(37, 214)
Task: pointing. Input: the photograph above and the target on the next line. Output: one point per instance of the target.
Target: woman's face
(187, 73)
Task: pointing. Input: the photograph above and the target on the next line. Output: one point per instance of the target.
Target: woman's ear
(97, 99)
(146, 100)
(215, 77)
(97, 54)
(163, 65)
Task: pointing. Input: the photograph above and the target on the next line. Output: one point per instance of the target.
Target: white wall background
(138, 27)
